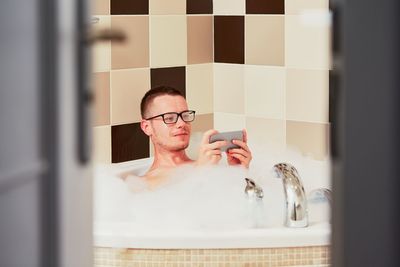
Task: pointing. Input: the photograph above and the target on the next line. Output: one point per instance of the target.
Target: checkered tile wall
(255, 64)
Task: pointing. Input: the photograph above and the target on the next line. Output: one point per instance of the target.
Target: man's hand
(240, 156)
(210, 153)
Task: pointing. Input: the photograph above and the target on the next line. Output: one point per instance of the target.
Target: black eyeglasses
(172, 117)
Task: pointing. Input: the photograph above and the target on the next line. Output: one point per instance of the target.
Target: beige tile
(293, 7)
(264, 91)
(168, 41)
(199, 87)
(100, 7)
(101, 53)
(134, 52)
(229, 122)
(229, 88)
(265, 40)
(266, 135)
(307, 42)
(102, 144)
(312, 139)
(199, 39)
(203, 122)
(101, 82)
(307, 95)
(127, 89)
(229, 7)
(170, 7)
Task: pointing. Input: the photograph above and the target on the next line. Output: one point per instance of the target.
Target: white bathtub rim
(121, 236)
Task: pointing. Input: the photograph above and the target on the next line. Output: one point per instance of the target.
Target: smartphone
(227, 136)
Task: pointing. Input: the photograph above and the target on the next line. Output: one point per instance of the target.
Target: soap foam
(210, 197)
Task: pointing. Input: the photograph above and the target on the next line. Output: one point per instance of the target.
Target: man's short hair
(153, 93)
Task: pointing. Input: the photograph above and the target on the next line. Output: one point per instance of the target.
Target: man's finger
(207, 135)
(242, 144)
(244, 135)
(239, 151)
(213, 152)
(217, 144)
(239, 157)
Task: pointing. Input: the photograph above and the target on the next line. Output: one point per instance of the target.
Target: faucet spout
(296, 202)
(252, 189)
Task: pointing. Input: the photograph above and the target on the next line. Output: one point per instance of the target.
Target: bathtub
(122, 239)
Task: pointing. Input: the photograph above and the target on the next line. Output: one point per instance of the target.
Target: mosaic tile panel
(269, 257)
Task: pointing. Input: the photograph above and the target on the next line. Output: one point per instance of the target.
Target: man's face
(172, 137)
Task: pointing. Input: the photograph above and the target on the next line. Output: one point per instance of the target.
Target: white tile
(307, 95)
(307, 41)
(229, 7)
(265, 92)
(266, 135)
(195, 140)
(229, 88)
(293, 7)
(224, 122)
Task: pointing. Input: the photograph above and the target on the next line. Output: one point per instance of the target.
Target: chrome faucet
(296, 201)
(321, 193)
(255, 205)
(252, 189)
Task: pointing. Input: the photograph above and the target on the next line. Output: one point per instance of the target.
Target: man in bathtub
(166, 119)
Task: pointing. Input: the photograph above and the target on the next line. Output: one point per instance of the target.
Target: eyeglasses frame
(178, 115)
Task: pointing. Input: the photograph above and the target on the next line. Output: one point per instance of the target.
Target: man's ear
(146, 128)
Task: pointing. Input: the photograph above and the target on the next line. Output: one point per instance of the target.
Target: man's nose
(180, 122)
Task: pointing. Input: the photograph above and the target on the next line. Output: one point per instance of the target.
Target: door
(45, 179)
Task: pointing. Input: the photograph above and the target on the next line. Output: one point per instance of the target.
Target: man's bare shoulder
(158, 176)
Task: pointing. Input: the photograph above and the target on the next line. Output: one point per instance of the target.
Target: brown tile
(265, 7)
(129, 7)
(101, 81)
(134, 52)
(200, 39)
(128, 142)
(100, 7)
(199, 6)
(174, 77)
(312, 139)
(229, 39)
